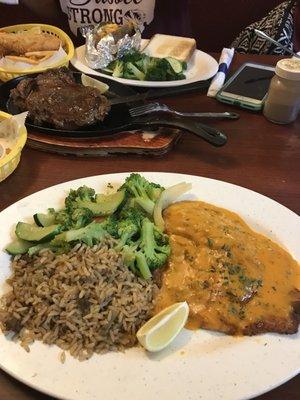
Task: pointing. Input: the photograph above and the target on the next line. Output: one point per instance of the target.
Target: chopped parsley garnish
(225, 247)
(234, 269)
(210, 243)
(206, 284)
(189, 257)
(250, 282)
(233, 310)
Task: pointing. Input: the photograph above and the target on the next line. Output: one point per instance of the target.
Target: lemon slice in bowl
(88, 81)
(161, 330)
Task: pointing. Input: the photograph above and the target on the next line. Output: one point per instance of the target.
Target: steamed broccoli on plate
(132, 216)
(139, 66)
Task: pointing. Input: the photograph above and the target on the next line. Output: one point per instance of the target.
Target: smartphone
(248, 87)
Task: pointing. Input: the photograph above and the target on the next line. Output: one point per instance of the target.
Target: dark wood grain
(259, 155)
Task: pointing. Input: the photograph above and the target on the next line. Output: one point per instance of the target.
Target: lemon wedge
(162, 329)
(88, 81)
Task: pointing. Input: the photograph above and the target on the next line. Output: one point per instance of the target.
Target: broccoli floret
(144, 63)
(154, 244)
(136, 261)
(118, 69)
(148, 252)
(142, 265)
(134, 214)
(72, 218)
(129, 257)
(62, 217)
(81, 217)
(133, 56)
(124, 226)
(154, 190)
(157, 70)
(90, 235)
(143, 193)
(120, 224)
(118, 228)
(127, 229)
(111, 225)
(140, 66)
(132, 72)
(82, 193)
(161, 238)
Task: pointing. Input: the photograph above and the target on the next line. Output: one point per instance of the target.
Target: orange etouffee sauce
(231, 276)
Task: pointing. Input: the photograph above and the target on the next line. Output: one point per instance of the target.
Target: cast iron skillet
(118, 120)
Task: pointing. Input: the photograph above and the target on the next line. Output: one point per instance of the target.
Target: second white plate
(198, 364)
(201, 67)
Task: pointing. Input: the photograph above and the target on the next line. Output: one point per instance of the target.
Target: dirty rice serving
(84, 301)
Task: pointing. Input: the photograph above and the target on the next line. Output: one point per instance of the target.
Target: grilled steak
(55, 98)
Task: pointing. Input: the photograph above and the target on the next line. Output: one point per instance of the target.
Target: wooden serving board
(140, 142)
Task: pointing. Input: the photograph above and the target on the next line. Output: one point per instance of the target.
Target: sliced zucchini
(44, 219)
(118, 69)
(175, 64)
(18, 246)
(105, 204)
(35, 233)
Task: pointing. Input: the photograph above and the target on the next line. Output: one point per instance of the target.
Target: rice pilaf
(84, 301)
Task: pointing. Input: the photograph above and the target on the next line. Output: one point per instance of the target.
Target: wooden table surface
(259, 155)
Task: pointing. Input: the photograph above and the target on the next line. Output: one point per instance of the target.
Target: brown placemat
(140, 142)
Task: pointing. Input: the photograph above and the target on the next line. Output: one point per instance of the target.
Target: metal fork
(278, 44)
(157, 107)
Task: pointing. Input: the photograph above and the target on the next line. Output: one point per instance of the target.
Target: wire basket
(10, 162)
(7, 74)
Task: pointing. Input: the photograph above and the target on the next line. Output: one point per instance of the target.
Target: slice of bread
(181, 48)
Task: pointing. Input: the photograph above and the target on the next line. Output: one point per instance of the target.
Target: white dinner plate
(202, 66)
(198, 364)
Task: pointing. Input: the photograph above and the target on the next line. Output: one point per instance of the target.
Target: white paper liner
(9, 65)
(10, 130)
(10, 127)
(4, 146)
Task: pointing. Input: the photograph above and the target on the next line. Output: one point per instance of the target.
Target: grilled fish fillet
(235, 280)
